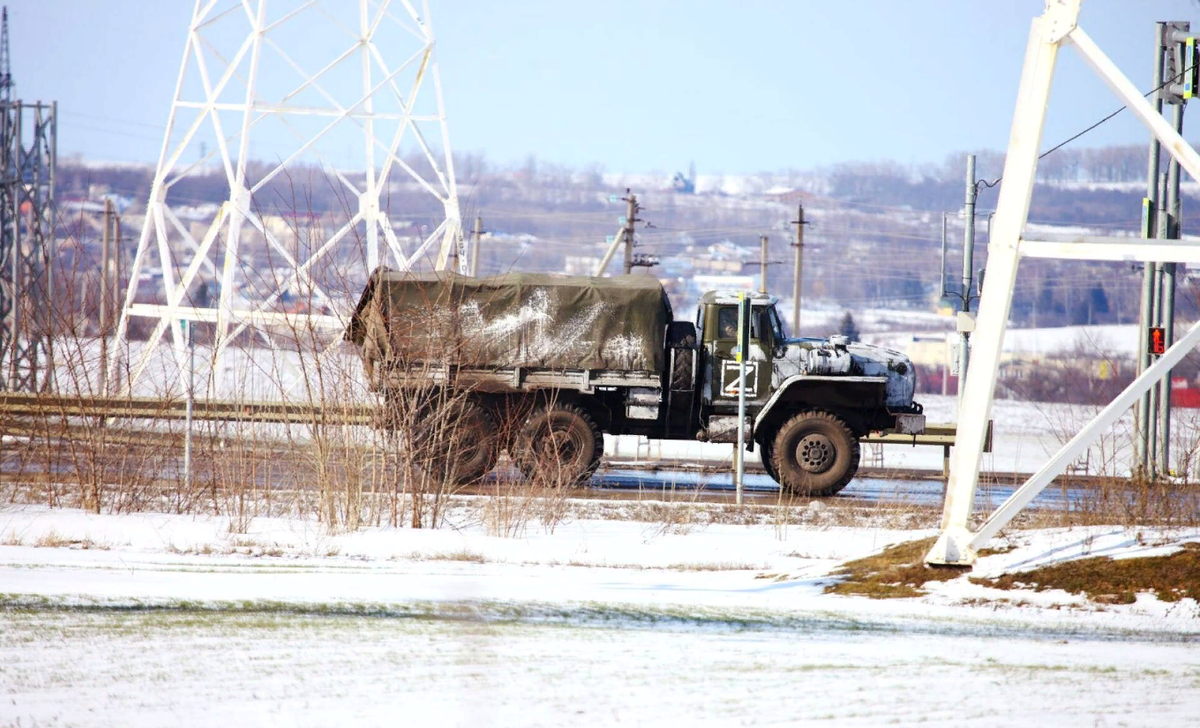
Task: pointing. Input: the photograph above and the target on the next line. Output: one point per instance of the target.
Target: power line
(1072, 138)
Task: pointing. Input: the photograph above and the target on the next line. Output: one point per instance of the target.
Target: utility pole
(624, 235)
(1157, 467)
(631, 209)
(964, 327)
(6, 82)
(105, 264)
(475, 246)
(1174, 82)
(798, 269)
(1143, 451)
(762, 286)
(189, 335)
(1176, 60)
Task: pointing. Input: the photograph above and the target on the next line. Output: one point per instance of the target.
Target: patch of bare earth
(1114, 581)
(897, 572)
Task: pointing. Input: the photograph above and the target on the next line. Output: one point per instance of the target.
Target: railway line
(61, 440)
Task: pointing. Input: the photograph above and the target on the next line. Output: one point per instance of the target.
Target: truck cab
(809, 400)
(716, 325)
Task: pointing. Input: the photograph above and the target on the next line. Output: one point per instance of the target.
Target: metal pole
(9, 253)
(105, 257)
(741, 439)
(1143, 420)
(1173, 208)
(51, 245)
(798, 271)
(191, 399)
(964, 349)
(1157, 467)
(118, 278)
(1154, 467)
(630, 216)
(942, 290)
(475, 246)
(762, 286)
(740, 454)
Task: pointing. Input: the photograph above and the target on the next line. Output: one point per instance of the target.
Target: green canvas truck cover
(535, 320)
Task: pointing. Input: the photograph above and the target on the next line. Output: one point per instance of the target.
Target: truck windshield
(776, 324)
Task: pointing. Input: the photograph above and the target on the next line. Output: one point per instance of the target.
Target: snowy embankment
(152, 618)
(71, 555)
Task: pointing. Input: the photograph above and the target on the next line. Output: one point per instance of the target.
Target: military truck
(542, 365)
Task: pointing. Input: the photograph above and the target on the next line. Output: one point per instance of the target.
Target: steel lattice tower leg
(310, 83)
(27, 166)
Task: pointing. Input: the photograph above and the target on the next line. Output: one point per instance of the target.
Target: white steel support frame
(380, 78)
(957, 545)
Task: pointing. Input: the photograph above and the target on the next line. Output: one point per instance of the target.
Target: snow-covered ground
(156, 619)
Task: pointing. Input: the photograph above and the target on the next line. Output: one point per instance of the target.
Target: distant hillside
(873, 240)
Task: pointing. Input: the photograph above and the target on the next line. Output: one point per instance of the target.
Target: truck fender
(856, 393)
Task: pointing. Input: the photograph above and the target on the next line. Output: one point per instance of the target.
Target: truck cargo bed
(512, 379)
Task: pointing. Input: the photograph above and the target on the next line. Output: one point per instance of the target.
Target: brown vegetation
(1114, 581)
(896, 572)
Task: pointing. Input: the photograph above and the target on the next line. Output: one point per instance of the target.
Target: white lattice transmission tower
(323, 121)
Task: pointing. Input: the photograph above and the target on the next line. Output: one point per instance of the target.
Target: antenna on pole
(321, 148)
(6, 82)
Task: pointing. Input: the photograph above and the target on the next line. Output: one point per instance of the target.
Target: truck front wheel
(768, 459)
(814, 454)
(560, 444)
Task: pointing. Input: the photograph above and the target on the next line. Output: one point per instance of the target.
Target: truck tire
(768, 460)
(457, 443)
(681, 338)
(681, 335)
(560, 444)
(814, 454)
(681, 371)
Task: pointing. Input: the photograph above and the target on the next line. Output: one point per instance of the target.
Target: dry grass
(52, 539)
(714, 566)
(240, 546)
(1114, 581)
(1119, 501)
(897, 572)
(461, 555)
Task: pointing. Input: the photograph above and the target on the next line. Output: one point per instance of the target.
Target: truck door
(724, 371)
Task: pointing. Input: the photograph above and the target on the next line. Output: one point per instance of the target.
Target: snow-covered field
(156, 619)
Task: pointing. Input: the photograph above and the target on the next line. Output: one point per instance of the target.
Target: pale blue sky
(739, 87)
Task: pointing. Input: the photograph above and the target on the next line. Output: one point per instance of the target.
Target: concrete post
(762, 285)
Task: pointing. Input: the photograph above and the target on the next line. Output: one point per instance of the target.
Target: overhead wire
(1073, 137)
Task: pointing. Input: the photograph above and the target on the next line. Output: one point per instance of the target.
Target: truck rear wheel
(814, 454)
(560, 444)
(456, 443)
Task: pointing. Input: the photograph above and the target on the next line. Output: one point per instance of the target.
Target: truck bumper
(910, 424)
